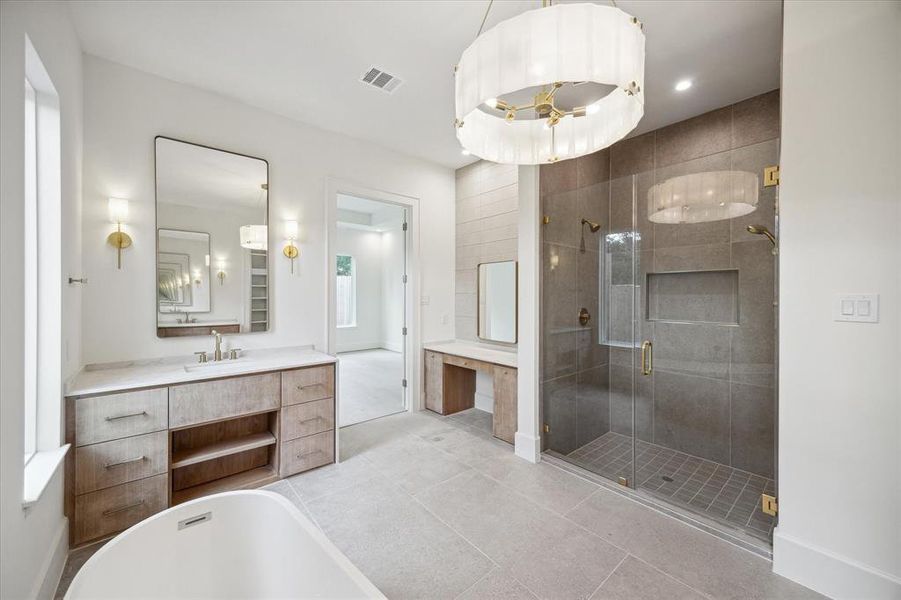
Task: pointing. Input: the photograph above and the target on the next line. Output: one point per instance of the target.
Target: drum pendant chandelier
(543, 50)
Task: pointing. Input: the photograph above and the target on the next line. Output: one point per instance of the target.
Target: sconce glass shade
(560, 44)
(118, 210)
(291, 230)
(703, 197)
(254, 237)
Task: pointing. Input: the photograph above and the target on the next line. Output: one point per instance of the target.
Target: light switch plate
(856, 308)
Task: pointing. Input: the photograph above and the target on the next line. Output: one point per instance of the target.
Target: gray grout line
(665, 574)
(609, 575)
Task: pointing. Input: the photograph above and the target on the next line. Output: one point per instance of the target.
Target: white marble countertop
(488, 352)
(113, 377)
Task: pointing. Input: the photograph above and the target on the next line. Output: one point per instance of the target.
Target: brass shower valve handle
(584, 317)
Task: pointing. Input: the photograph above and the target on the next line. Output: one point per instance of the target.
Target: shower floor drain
(666, 478)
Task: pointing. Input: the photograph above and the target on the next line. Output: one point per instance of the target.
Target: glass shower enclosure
(658, 328)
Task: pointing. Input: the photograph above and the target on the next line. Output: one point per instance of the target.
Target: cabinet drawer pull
(124, 462)
(114, 511)
(117, 417)
(310, 420)
(308, 454)
(300, 388)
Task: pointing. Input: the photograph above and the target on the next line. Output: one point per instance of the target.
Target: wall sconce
(290, 249)
(118, 214)
(220, 265)
(198, 279)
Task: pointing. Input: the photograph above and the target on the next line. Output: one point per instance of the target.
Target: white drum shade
(254, 237)
(561, 43)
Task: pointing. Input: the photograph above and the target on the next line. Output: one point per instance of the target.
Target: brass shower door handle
(647, 357)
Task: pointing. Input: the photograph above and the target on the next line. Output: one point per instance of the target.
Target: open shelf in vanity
(230, 454)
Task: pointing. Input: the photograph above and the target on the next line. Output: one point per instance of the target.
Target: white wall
(125, 109)
(392, 285)
(366, 249)
(33, 542)
(840, 232)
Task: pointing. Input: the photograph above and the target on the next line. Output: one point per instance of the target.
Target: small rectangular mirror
(497, 305)
(212, 217)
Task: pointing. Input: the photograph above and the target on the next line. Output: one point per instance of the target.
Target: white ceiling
(304, 59)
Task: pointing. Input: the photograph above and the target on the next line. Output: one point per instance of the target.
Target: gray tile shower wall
(712, 390)
(486, 231)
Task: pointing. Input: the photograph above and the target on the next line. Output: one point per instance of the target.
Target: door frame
(412, 341)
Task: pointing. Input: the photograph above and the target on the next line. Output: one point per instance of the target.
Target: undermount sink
(222, 365)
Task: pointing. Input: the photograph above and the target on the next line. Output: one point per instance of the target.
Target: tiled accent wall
(487, 226)
(712, 390)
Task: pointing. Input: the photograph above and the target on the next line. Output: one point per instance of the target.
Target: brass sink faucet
(217, 355)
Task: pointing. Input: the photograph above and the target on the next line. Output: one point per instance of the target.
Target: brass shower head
(591, 225)
(761, 230)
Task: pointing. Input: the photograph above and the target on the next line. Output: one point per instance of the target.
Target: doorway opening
(370, 270)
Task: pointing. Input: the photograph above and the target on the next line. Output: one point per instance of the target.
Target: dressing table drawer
(301, 420)
(306, 385)
(112, 463)
(111, 510)
(307, 453)
(102, 418)
(194, 403)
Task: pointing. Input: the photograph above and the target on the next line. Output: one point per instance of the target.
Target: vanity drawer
(300, 420)
(306, 385)
(111, 463)
(102, 418)
(111, 510)
(307, 453)
(466, 363)
(194, 403)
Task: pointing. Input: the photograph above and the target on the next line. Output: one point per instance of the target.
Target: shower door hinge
(547, 428)
(403, 383)
(405, 278)
(403, 331)
(771, 176)
(768, 504)
(623, 481)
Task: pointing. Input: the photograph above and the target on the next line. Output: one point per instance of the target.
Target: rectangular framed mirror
(212, 223)
(497, 301)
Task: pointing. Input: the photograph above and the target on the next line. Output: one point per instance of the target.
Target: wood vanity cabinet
(139, 452)
(450, 387)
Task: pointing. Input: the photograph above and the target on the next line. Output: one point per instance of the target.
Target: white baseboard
(356, 346)
(527, 447)
(393, 346)
(54, 563)
(828, 573)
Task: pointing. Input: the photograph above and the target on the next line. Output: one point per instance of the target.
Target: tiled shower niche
(702, 293)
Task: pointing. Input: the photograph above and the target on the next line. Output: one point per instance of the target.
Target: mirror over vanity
(497, 305)
(212, 217)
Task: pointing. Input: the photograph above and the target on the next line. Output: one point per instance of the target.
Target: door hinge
(403, 331)
(771, 176)
(547, 428)
(405, 278)
(768, 504)
(403, 383)
(405, 226)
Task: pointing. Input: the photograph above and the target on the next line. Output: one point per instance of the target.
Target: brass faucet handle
(233, 353)
(202, 356)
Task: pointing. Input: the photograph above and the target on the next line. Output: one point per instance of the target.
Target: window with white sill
(42, 279)
(346, 291)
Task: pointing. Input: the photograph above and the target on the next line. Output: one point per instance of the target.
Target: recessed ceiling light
(465, 152)
(683, 85)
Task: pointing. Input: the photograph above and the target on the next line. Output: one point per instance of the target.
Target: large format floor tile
(434, 507)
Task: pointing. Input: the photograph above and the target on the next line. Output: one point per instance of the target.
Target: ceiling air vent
(380, 79)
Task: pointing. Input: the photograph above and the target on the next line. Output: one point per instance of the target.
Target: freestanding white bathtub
(244, 544)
